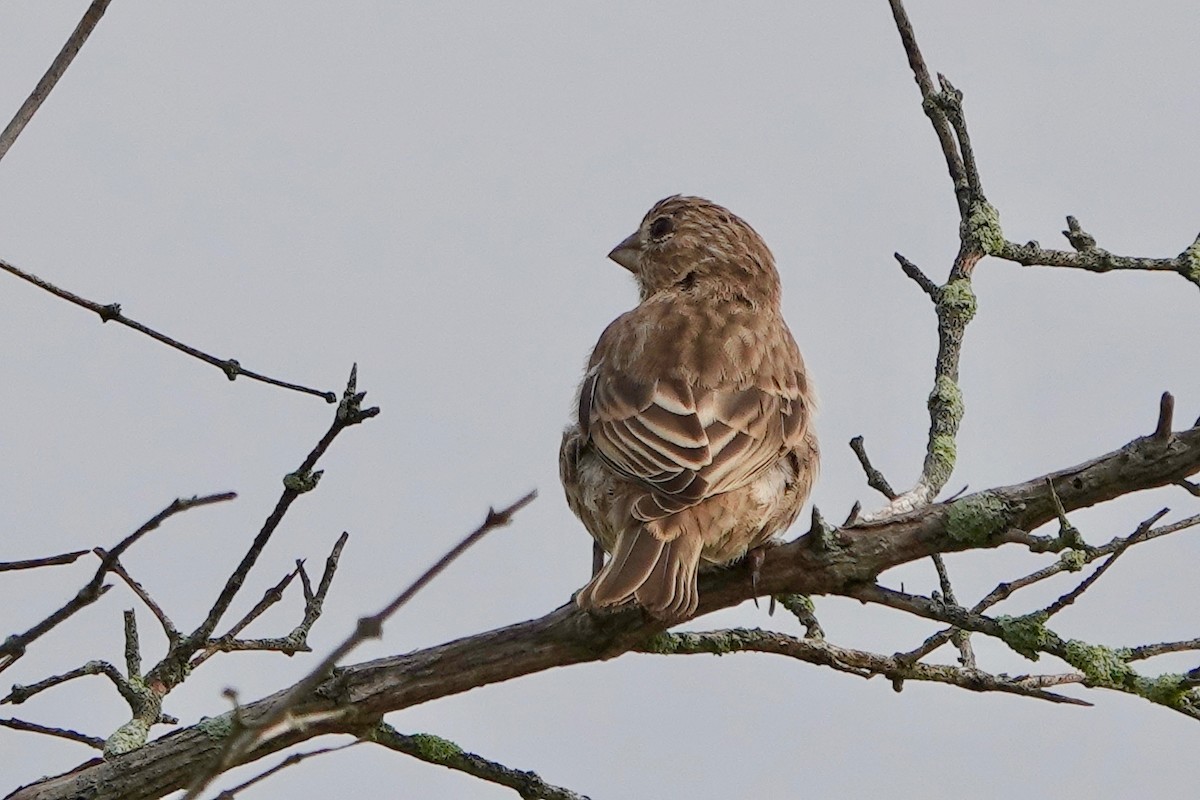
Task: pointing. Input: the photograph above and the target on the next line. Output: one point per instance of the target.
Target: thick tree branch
(355, 697)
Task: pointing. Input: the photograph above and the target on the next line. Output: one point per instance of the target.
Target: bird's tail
(660, 575)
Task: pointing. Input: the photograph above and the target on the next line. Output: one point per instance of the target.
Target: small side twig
(1073, 595)
(60, 733)
(370, 627)
(46, 561)
(14, 646)
(875, 478)
(436, 750)
(164, 621)
(290, 761)
(961, 638)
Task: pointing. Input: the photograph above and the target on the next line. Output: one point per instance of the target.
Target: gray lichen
(127, 738)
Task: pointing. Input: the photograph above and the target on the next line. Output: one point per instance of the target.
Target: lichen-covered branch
(862, 663)
(846, 562)
(436, 750)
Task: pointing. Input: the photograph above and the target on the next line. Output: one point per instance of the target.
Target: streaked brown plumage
(693, 440)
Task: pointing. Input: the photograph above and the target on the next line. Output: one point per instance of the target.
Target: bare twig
(920, 278)
(961, 639)
(371, 627)
(112, 312)
(270, 597)
(20, 694)
(47, 561)
(14, 646)
(291, 760)
(436, 750)
(163, 620)
(304, 479)
(875, 478)
(60, 733)
(297, 640)
(1166, 411)
(1073, 595)
(57, 67)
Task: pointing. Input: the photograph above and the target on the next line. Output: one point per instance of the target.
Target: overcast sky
(430, 190)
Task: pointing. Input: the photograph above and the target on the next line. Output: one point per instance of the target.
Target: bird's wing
(682, 444)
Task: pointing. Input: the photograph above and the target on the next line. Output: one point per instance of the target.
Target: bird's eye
(661, 228)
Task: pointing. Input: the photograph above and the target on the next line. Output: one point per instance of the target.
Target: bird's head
(692, 244)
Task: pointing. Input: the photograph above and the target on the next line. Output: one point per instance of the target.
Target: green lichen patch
(1072, 560)
(127, 738)
(435, 748)
(1026, 634)
(216, 728)
(943, 453)
(1103, 666)
(983, 223)
(1191, 262)
(956, 300)
(948, 397)
(1171, 689)
(301, 482)
(975, 519)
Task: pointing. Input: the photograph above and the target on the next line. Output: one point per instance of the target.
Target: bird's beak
(626, 252)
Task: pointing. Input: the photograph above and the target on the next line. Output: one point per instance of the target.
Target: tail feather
(660, 575)
(634, 557)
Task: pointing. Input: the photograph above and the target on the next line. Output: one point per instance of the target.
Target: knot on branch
(231, 368)
(109, 312)
(302, 481)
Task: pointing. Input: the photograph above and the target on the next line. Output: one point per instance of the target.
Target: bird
(693, 441)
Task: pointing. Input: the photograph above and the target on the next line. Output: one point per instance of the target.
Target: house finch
(693, 439)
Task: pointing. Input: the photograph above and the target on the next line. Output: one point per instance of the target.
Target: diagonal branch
(58, 66)
(436, 750)
(112, 312)
(14, 646)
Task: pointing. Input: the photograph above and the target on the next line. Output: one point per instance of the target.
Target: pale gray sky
(430, 190)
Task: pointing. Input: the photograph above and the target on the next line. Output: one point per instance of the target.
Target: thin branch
(1073, 595)
(862, 663)
(961, 639)
(19, 694)
(47, 561)
(164, 621)
(349, 413)
(241, 742)
(920, 278)
(1151, 650)
(57, 67)
(436, 750)
(291, 760)
(270, 597)
(875, 478)
(112, 312)
(14, 646)
(60, 733)
(1095, 259)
